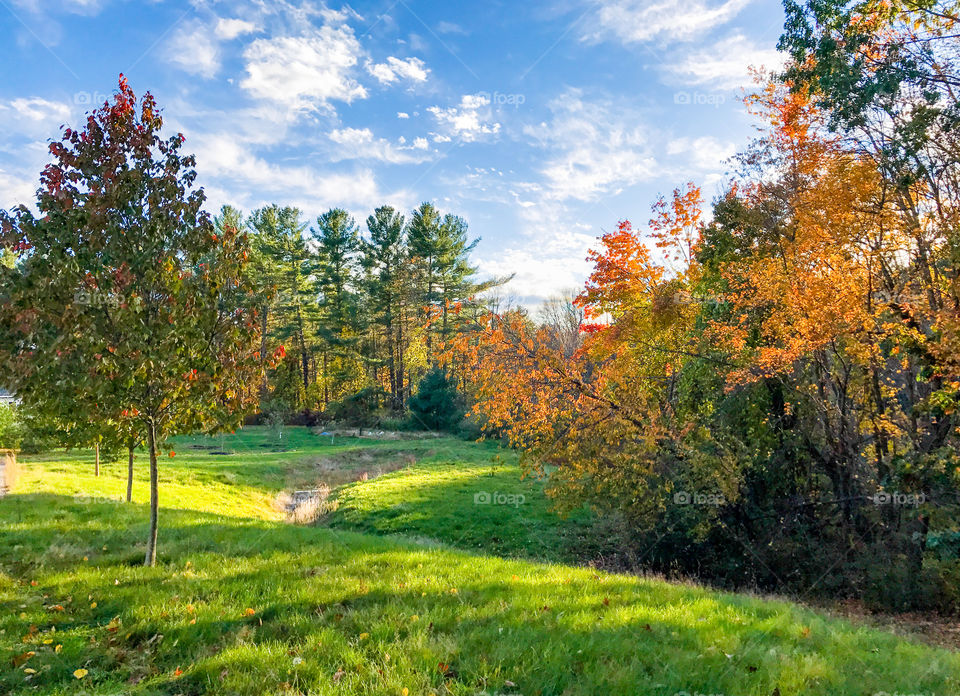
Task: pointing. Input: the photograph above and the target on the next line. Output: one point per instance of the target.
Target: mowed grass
(472, 497)
(242, 603)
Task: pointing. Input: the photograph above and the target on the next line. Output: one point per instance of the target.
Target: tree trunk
(398, 399)
(96, 465)
(130, 472)
(264, 386)
(151, 558)
(326, 381)
(304, 356)
(391, 356)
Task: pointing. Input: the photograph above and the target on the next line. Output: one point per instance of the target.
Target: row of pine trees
(357, 309)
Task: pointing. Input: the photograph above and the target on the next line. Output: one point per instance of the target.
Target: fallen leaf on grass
(80, 673)
(21, 658)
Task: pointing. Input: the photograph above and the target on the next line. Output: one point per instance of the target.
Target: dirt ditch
(314, 480)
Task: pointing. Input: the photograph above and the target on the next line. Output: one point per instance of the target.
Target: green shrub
(362, 409)
(11, 434)
(436, 405)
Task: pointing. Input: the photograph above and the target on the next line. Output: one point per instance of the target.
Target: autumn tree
(171, 347)
(792, 356)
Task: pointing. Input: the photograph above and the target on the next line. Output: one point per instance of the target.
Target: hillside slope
(242, 603)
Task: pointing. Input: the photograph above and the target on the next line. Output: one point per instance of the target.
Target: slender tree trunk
(151, 558)
(391, 357)
(96, 466)
(326, 393)
(399, 400)
(304, 356)
(264, 387)
(130, 472)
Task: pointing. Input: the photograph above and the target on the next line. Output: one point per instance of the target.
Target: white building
(6, 398)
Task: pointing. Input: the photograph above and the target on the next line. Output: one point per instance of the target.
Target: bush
(436, 405)
(358, 410)
(11, 433)
(275, 414)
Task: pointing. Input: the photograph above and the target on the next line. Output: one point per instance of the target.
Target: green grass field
(410, 587)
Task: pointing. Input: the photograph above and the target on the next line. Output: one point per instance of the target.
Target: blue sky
(542, 123)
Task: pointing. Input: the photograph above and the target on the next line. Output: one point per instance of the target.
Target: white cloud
(727, 63)
(470, 121)
(26, 124)
(420, 144)
(411, 70)
(633, 21)
(596, 150)
(706, 156)
(591, 151)
(83, 7)
(32, 116)
(360, 143)
(538, 275)
(195, 50)
(450, 28)
(16, 189)
(229, 29)
(252, 180)
(403, 114)
(303, 72)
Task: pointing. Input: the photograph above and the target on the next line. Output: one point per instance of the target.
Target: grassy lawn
(243, 603)
(464, 495)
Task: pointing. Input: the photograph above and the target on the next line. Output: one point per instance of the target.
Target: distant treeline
(351, 311)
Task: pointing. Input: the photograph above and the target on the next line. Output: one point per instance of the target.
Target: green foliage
(355, 310)
(129, 312)
(360, 409)
(437, 405)
(338, 246)
(283, 268)
(11, 433)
